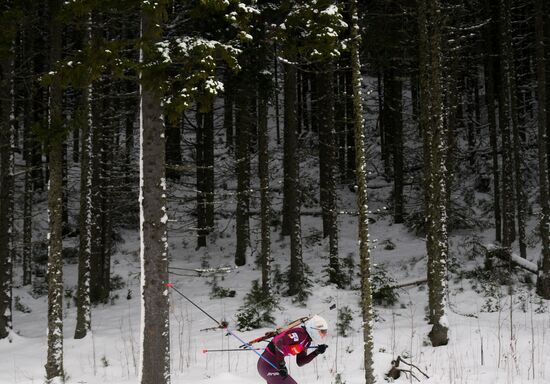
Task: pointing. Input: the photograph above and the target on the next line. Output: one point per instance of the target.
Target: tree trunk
(155, 337)
(83, 303)
(350, 134)
(228, 102)
(393, 128)
(173, 148)
(209, 166)
(327, 159)
(490, 80)
(6, 195)
(28, 142)
(543, 281)
(200, 165)
(505, 122)
(289, 119)
(431, 120)
(296, 275)
(263, 173)
(244, 123)
(54, 363)
(362, 201)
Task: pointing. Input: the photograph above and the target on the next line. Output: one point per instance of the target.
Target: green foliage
(11, 14)
(217, 292)
(383, 287)
(311, 30)
(257, 309)
(345, 317)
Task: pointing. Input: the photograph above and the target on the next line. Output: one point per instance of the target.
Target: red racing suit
(292, 342)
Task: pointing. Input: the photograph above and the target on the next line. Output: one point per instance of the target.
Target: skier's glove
(283, 371)
(321, 348)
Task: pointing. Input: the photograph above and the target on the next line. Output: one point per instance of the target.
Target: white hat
(317, 328)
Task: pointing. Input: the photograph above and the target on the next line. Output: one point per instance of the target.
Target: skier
(295, 342)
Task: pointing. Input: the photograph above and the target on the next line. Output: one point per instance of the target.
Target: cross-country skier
(295, 342)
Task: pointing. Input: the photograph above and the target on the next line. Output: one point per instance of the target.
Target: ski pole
(231, 350)
(242, 350)
(247, 346)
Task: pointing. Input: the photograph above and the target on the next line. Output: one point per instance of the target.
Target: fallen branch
(506, 255)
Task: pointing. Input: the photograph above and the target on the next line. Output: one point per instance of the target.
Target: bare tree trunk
(243, 122)
(228, 102)
(431, 120)
(393, 130)
(296, 276)
(327, 171)
(209, 166)
(54, 363)
(490, 80)
(83, 304)
(263, 173)
(155, 337)
(201, 197)
(543, 281)
(362, 201)
(6, 195)
(505, 122)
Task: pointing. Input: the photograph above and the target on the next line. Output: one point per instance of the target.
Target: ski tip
(170, 285)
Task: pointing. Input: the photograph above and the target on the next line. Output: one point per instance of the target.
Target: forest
(268, 157)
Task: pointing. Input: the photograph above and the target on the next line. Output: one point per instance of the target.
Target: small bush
(218, 292)
(383, 287)
(343, 325)
(257, 309)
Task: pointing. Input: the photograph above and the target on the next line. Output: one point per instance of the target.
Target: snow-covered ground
(484, 347)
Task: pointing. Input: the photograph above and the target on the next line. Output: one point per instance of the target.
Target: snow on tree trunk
(83, 314)
(54, 363)
(296, 275)
(362, 201)
(431, 120)
(263, 174)
(155, 330)
(327, 164)
(6, 195)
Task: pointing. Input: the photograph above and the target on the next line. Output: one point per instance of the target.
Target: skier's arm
(303, 358)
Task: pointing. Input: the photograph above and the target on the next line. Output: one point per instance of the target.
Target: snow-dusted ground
(502, 346)
(480, 348)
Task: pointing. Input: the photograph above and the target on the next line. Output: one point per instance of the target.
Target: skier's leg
(271, 375)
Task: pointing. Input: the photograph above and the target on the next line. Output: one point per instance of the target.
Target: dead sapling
(395, 371)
